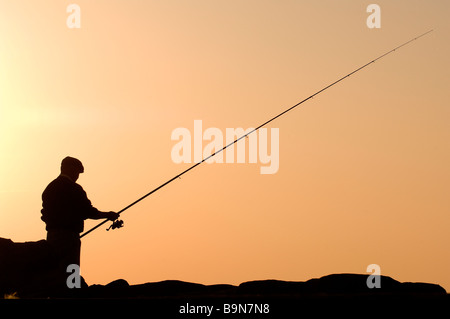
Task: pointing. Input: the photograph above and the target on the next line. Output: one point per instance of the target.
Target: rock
(337, 284)
(25, 266)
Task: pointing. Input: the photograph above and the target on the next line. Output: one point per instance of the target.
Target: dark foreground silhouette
(27, 272)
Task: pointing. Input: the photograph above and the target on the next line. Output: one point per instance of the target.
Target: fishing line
(119, 223)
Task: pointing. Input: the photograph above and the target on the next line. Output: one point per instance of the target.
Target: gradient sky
(364, 167)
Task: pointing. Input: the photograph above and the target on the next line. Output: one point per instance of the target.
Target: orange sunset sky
(363, 168)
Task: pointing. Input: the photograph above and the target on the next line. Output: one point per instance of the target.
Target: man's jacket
(65, 206)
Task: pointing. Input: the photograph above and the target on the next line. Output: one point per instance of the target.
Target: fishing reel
(116, 224)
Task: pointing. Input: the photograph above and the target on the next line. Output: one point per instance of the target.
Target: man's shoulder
(65, 183)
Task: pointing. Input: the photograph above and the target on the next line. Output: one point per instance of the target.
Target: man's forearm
(100, 215)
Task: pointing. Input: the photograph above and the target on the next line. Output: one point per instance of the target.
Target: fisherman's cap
(72, 164)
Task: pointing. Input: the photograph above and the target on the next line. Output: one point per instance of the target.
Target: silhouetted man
(65, 206)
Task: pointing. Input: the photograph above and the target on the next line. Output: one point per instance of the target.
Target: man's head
(72, 168)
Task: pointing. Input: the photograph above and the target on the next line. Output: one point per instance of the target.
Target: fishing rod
(118, 223)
